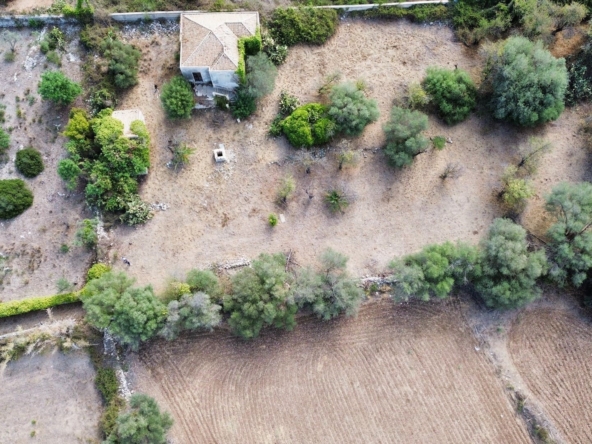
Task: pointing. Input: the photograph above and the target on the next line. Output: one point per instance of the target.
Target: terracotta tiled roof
(211, 39)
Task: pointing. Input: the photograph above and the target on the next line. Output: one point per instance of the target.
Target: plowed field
(410, 374)
(551, 348)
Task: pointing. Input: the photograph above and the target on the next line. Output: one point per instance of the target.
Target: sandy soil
(25, 5)
(30, 243)
(551, 347)
(364, 379)
(218, 213)
(52, 395)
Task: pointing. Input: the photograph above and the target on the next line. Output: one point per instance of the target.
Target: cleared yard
(551, 348)
(49, 398)
(218, 213)
(364, 379)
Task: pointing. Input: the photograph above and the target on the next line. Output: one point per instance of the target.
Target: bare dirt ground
(364, 379)
(551, 347)
(25, 5)
(218, 213)
(30, 243)
(52, 395)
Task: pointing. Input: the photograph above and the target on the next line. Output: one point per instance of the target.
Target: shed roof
(211, 39)
(127, 116)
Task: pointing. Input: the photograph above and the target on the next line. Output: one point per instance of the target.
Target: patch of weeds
(439, 142)
(53, 57)
(9, 57)
(272, 219)
(63, 285)
(336, 200)
(64, 248)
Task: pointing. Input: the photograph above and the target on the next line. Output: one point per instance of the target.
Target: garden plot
(30, 243)
(49, 398)
(413, 372)
(218, 213)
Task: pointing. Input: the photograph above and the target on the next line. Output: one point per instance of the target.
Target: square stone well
(220, 154)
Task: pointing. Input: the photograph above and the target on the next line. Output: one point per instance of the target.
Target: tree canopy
(331, 290)
(350, 109)
(404, 138)
(58, 88)
(452, 91)
(142, 423)
(507, 271)
(191, 312)
(261, 75)
(261, 297)
(130, 314)
(570, 236)
(177, 98)
(528, 83)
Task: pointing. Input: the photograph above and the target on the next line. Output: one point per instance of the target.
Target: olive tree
(507, 271)
(350, 109)
(528, 83)
(142, 423)
(191, 312)
(130, 314)
(570, 236)
(404, 138)
(331, 291)
(434, 271)
(261, 297)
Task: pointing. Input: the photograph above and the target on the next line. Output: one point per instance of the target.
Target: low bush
(579, 88)
(452, 92)
(107, 383)
(14, 308)
(516, 190)
(290, 26)
(177, 98)
(286, 190)
(96, 271)
(404, 138)
(205, 281)
(261, 75)
(308, 125)
(288, 103)
(69, 172)
(123, 62)
(439, 142)
(109, 417)
(87, 233)
(4, 142)
(29, 162)
(15, 198)
(136, 211)
(417, 97)
(337, 200)
(272, 219)
(276, 53)
(420, 13)
(244, 104)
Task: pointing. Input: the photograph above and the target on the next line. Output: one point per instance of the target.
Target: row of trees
(262, 295)
(504, 269)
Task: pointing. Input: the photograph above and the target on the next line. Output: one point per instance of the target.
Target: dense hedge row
(14, 308)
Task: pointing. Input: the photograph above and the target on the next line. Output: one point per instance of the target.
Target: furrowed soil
(49, 398)
(551, 348)
(413, 372)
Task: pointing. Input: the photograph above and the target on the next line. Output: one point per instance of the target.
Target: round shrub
(58, 88)
(308, 125)
(96, 271)
(177, 98)
(15, 198)
(29, 162)
(528, 83)
(452, 92)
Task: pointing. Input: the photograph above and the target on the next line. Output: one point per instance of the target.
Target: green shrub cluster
(290, 26)
(15, 198)
(177, 98)
(107, 161)
(107, 383)
(419, 14)
(96, 271)
(579, 88)
(29, 162)
(350, 109)
(58, 88)
(452, 92)
(122, 62)
(528, 84)
(14, 308)
(247, 46)
(308, 125)
(277, 53)
(404, 138)
(4, 142)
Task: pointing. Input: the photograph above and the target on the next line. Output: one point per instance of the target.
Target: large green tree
(571, 236)
(130, 314)
(507, 271)
(261, 297)
(404, 138)
(58, 88)
(330, 291)
(142, 423)
(528, 83)
(435, 270)
(350, 109)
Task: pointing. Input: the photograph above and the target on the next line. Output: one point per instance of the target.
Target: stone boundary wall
(14, 21)
(174, 15)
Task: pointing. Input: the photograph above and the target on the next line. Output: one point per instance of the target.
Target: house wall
(224, 79)
(188, 73)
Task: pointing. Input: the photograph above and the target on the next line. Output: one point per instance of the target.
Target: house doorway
(197, 77)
